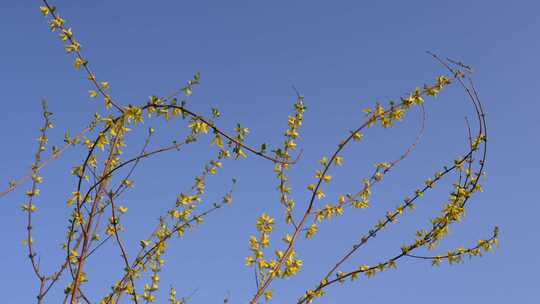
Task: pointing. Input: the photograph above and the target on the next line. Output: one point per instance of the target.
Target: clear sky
(343, 56)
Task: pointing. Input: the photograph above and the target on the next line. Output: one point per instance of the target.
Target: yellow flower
(320, 194)
(56, 23)
(78, 63)
(45, 10)
(417, 96)
(217, 141)
(397, 114)
(357, 136)
(249, 261)
(108, 102)
(66, 34)
(265, 223)
(442, 81)
(198, 126)
(290, 144)
(287, 239)
(37, 179)
(268, 295)
(325, 178)
(265, 240)
(73, 47)
(29, 208)
(312, 230)
(31, 193)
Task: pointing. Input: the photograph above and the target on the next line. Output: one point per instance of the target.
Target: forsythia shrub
(95, 211)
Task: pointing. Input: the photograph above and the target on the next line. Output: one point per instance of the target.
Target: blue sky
(343, 56)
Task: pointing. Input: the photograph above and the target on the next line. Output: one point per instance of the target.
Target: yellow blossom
(357, 136)
(45, 10)
(268, 295)
(78, 63)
